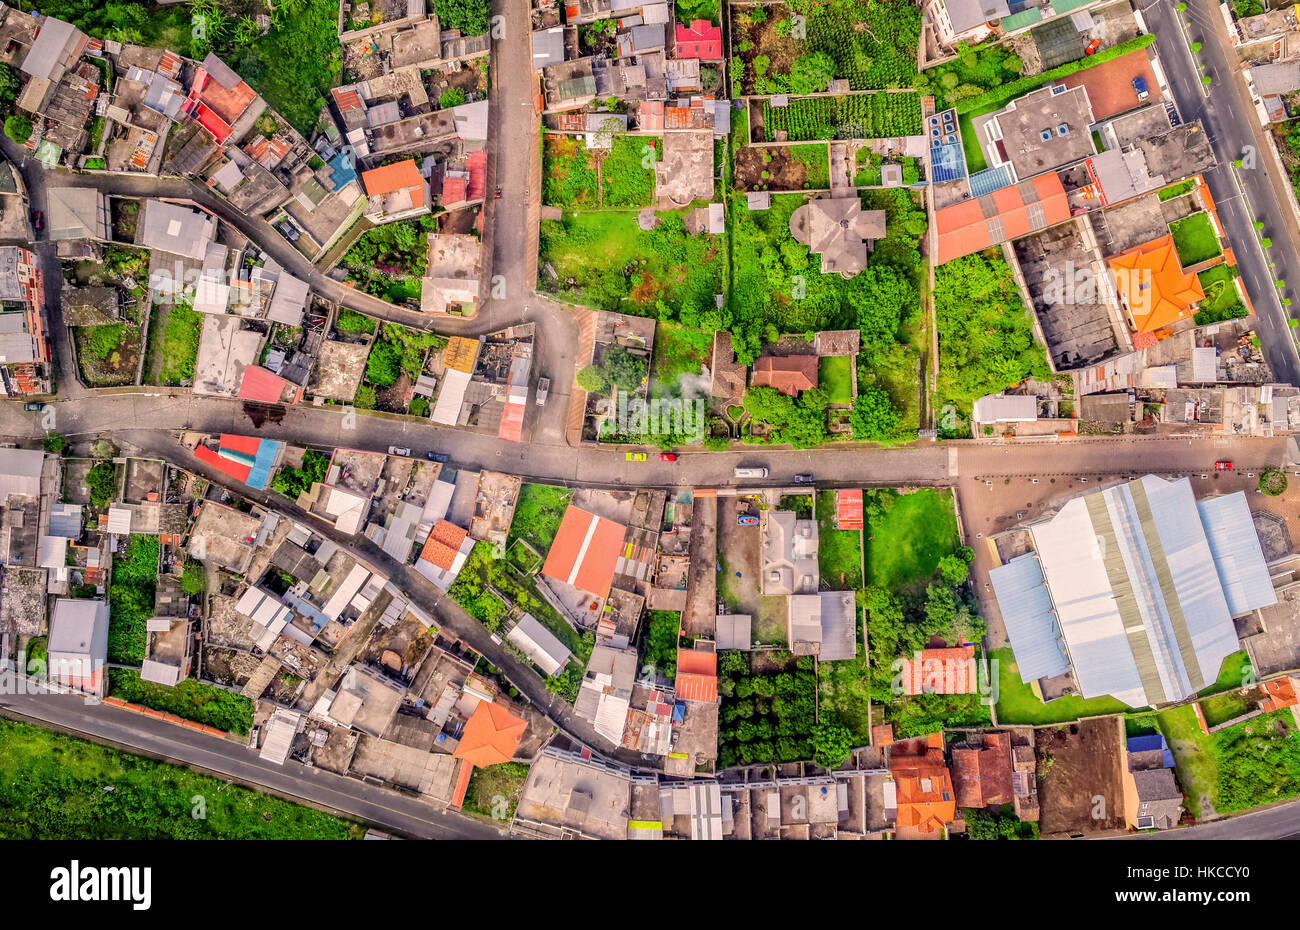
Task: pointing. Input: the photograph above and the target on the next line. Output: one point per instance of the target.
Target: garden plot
(850, 116)
(781, 168)
(621, 176)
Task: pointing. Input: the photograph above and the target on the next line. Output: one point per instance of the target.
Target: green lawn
(671, 265)
(1175, 190)
(538, 513)
(180, 344)
(1221, 708)
(1194, 762)
(845, 692)
(975, 160)
(1194, 239)
(1233, 674)
(835, 376)
(54, 787)
(677, 351)
(839, 552)
(494, 791)
(1222, 302)
(906, 544)
(192, 700)
(624, 179)
(1017, 704)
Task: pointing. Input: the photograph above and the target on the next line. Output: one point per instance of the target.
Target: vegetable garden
(857, 116)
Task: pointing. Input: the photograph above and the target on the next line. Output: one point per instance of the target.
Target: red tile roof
(701, 39)
(981, 775)
(403, 175)
(940, 671)
(848, 509)
(491, 735)
(924, 787)
(445, 540)
(476, 165)
(585, 551)
(974, 225)
(789, 374)
(454, 190)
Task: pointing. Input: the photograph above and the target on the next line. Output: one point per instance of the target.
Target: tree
(623, 369)
(661, 641)
(193, 578)
(832, 744)
(953, 569)
(53, 442)
(101, 481)
(18, 127)
(592, 380)
(384, 364)
(9, 86)
(469, 16)
(879, 296)
(811, 74)
(451, 97)
(874, 415)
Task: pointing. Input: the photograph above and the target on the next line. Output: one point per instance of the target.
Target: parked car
(398, 450)
(804, 478)
(1140, 85)
(34, 407)
(667, 456)
(38, 220)
(1223, 465)
(635, 456)
(1092, 47)
(543, 388)
(747, 519)
(750, 472)
(437, 457)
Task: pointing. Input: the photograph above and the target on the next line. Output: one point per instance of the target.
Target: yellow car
(635, 456)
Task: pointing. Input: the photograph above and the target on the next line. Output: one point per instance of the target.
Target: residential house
(396, 192)
(77, 648)
(789, 554)
(839, 230)
(788, 374)
(700, 40)
(924, 792)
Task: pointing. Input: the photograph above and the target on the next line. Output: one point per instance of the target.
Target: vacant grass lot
(839, 552)
(835, 376)
(1194, 239)
(180, 344)
(538, 514)
(53, 787)
(907, 543)
(494, 791)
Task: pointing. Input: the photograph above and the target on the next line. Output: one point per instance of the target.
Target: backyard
(109, 354)
(1222, 300)
(839, 552)
(857, 116)
(835, 377)
(178, 345)
(1195, 240)
(909, 534)
(782, 168)
(131, 599)
(537, 515)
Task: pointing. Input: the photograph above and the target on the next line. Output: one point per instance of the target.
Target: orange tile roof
(697, 675)
(444, 542)
(1281, 693)
(940, 671)
(924, 786)
(982, 775)
(1153, 285)
(491, 735)
(1009, 213)
(402, 175)
(585, 551)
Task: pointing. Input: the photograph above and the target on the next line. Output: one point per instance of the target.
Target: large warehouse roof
(1137, 576)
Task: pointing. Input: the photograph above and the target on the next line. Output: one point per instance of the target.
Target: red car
(1092, 47)
(38, 220)
(1223, 466)
(667, 457)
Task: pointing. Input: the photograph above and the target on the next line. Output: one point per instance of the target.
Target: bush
(53, 442)
(592, 380)
(1272, 482)
(101, 481)
(18, 127)
(451, 97)
(193, 578)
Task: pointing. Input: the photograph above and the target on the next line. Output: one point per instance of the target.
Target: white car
(543, 388)
(398, 450)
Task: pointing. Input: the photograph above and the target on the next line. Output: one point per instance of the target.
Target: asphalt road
(387, 809)
(1233, 129)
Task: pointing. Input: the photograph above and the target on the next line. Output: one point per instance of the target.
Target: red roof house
(585, 551)
(697, 675)
(789, 374)
(701, 39)
(940, 671)
(491, 736)
(981, 773)
(848, 509)
(974, 225)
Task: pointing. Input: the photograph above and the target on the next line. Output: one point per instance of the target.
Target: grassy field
(494, 791)
(907, 543)
(53, 787)
(192, 700)
(817, 160)
(180, 344)
(1018, 704)
(1232, 674)
(845, 692)
(538, 513)
(671, 265)
(624, 181)
(1194, 239)
(835, 376)
(569, 177)
(1194, 763)
(839, 552)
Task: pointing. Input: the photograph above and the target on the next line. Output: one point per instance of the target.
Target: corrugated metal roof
(1238, 555)
(1027, 613)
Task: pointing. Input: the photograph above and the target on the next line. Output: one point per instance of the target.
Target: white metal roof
(1027, 613)
(1238, 555)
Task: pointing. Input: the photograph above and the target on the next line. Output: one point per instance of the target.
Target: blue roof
(344, 170)
(260, 476)
(948, 162)
(1150, 742)
(990, 180)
